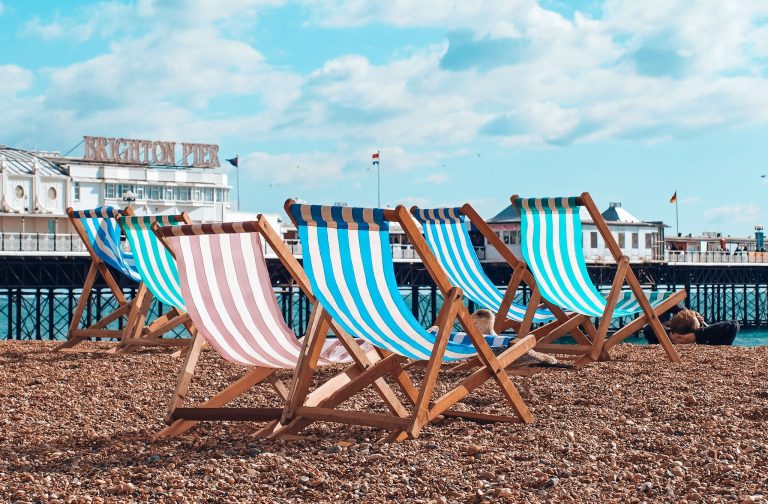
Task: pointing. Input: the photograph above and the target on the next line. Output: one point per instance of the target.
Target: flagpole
(378, 181)
(677, 214)
(237, 176)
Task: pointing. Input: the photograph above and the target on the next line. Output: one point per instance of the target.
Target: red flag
(673, 199)
(375, 158)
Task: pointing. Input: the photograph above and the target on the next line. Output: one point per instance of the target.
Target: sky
(466, 101)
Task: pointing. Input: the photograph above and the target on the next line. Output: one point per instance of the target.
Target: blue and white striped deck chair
(551, 233)
(160, 276)
(445, 232)
(100, 233)
(348, 260)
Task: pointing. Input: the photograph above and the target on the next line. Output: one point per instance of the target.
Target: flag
(375, 158)
(235, 161)
(673, 199)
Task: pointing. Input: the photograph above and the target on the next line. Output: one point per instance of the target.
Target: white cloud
(2, 8)
(14, 79)
(436, 178)
(734, 213)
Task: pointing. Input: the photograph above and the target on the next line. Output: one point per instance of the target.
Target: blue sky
(467, 101)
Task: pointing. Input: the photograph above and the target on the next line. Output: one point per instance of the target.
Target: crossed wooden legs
(424, 408)
(182, 419)
(77, 335)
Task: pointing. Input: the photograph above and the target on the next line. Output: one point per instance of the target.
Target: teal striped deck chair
(101, 236)
(160, 279)
(348, 260)
(445, 231)
(552, 247)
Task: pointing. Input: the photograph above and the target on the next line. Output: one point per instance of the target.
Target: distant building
(640, 241)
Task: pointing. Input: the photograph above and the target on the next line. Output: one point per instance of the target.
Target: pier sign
(128, 151)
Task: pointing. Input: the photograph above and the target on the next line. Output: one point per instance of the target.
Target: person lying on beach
(689, 326)
(484, 320)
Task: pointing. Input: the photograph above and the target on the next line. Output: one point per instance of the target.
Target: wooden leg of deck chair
(316, 333)
(362, 360)
(490, 361)
(79, 309)
(479, 377)
(252, 378)
(610, 306)
(639, 322)
(444, 325)
(185, 376)
(509, 297)
(652, 318)
(136, 317)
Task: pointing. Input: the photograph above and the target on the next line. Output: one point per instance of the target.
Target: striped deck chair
(347, 257)
(552, 247)
(157, 268)
(100, 233)
(445, 232)
(228, 295)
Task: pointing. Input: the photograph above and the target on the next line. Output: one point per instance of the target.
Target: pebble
(81, 438)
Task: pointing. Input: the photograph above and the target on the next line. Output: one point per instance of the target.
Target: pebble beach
(79, 428)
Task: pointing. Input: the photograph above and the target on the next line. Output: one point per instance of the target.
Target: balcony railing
(37, 243)
(717, 257)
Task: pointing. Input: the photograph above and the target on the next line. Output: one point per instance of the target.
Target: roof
(616, 213)
(510, 214)
(22, 162)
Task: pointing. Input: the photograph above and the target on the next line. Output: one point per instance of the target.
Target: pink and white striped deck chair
(229, 298)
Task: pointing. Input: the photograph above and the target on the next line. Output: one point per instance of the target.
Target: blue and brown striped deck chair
(100, 233)
(445, 232)
(348, 260)
(160, 277)
(552, 247)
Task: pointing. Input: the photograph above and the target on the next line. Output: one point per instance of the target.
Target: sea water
(745, 338)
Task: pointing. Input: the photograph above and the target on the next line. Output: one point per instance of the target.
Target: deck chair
(100, 233)
(229, 298)
(347, 257)
(160, 279)
(552, 248)
(446, 234)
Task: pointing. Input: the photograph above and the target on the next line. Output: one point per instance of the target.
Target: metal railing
(28, 243)
(717, 257)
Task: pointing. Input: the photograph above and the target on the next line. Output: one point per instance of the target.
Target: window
(155, 192)
(593, 239)
(197, 194)
(19, 191)
(169, 193)
(52, 194)
(76, 197)
(635, 240)
(109, 191)
(649, 240)
(622, 240)
(184, 193)
(505, 236)
(140, 192)
(208, 194)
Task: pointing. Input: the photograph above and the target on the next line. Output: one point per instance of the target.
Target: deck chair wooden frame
(424, 409)
(181, 418)
(98, 267)
(560, 324)
(151, 335)
(624, 275)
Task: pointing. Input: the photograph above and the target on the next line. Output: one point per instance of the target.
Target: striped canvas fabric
(228, 295)
(348, 260)
(447, 236)
(552, 247)
(154, 263)
(104, 236)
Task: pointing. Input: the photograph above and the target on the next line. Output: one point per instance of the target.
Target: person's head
(684, 322)
(484, 320)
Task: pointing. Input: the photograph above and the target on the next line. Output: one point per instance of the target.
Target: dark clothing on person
(722, 333)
